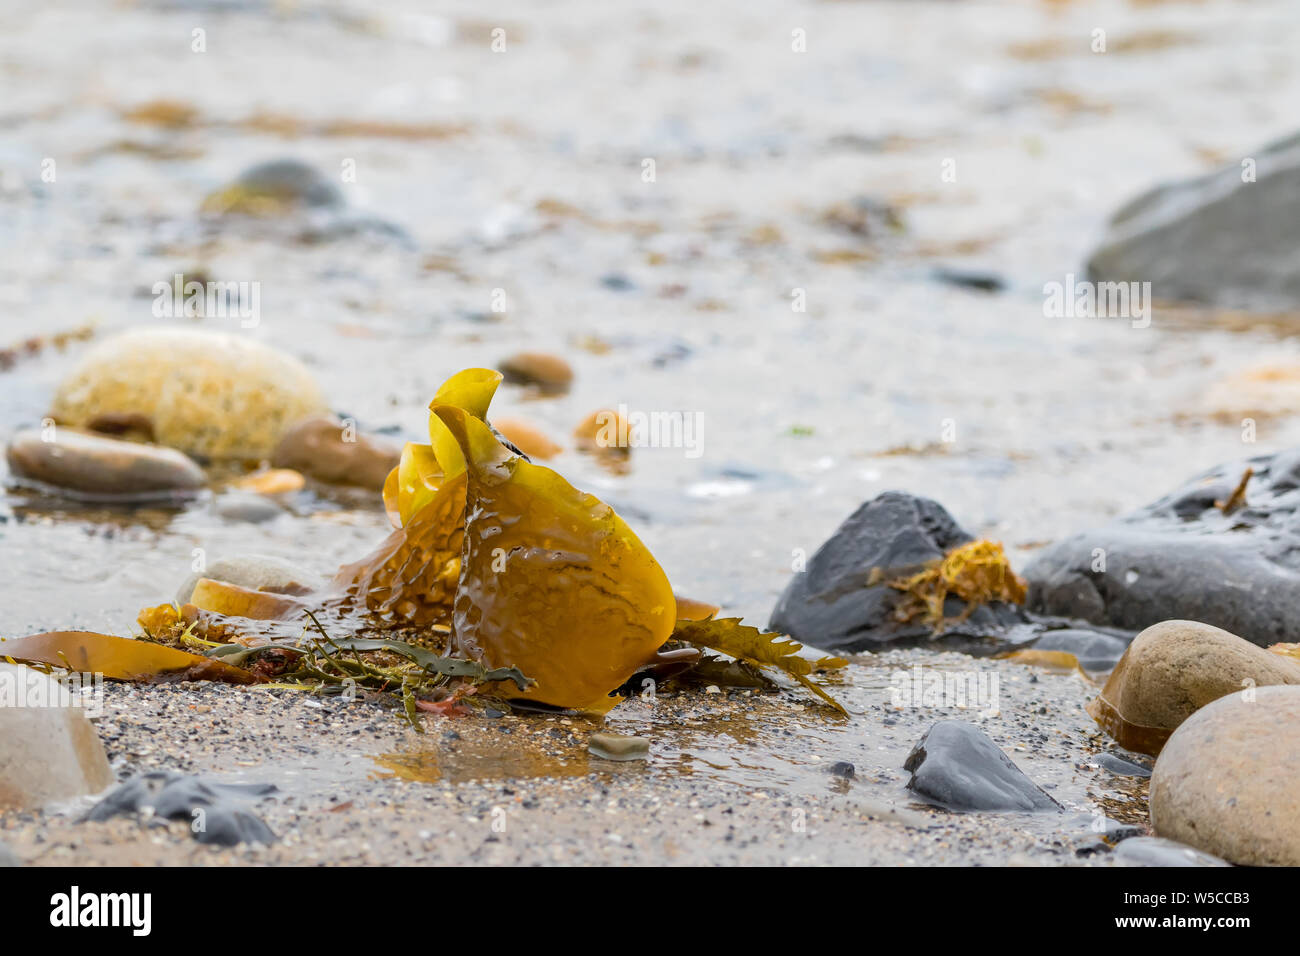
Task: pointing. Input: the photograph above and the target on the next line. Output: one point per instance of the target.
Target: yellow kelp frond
(553, 582)
(978, 573)
(761, 650)
(423, 468)
(470, 390)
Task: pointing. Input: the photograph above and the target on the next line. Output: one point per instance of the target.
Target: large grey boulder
(1189, 556)
(1217, 239)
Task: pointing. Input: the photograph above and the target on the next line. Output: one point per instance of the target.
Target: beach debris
(119, 658)
(35, 345)
(553, 580)
(1238, 497)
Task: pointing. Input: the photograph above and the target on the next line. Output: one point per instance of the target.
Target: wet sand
(732, 779)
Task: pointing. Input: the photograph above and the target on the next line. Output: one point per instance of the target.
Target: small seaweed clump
(978, 573)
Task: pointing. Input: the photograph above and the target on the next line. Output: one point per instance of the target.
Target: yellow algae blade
(553, 581)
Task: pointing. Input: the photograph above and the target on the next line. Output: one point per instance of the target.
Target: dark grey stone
(213, 810)
(1183, 558)
(831, 604)
(1096, 651)
(956, 766)
(291, 180)
(1214, 239)
(1122, 767)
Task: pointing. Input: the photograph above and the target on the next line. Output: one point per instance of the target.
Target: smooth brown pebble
(328, 450)
(1228, 780)
(550, 373)
(96, 466)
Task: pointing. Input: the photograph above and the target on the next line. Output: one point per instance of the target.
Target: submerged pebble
(618, 747)
(257, 572)
(1121, 767)
(92, 466)
(527, 438)
(1157, 851)
(272, 188)
(246, 506)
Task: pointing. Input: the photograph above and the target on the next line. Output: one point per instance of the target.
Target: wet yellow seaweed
(977, 572)
(552, 581)
(119, 658)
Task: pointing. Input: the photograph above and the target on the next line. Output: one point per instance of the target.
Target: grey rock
(1121, 767)
(213, 810)
(1182, 557)
(830, 604)
(94, 467)
(1090, 833)
(1095, 650)
(1214, 239)
(290, 180)
(956, 766)
(1157, 851)
(246, 506)
(48, 748)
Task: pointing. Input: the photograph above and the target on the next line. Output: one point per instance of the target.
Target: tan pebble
(272, 481)
(550, 373)
(526, 438)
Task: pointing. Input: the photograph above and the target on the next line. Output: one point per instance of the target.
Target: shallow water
(522, 170)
